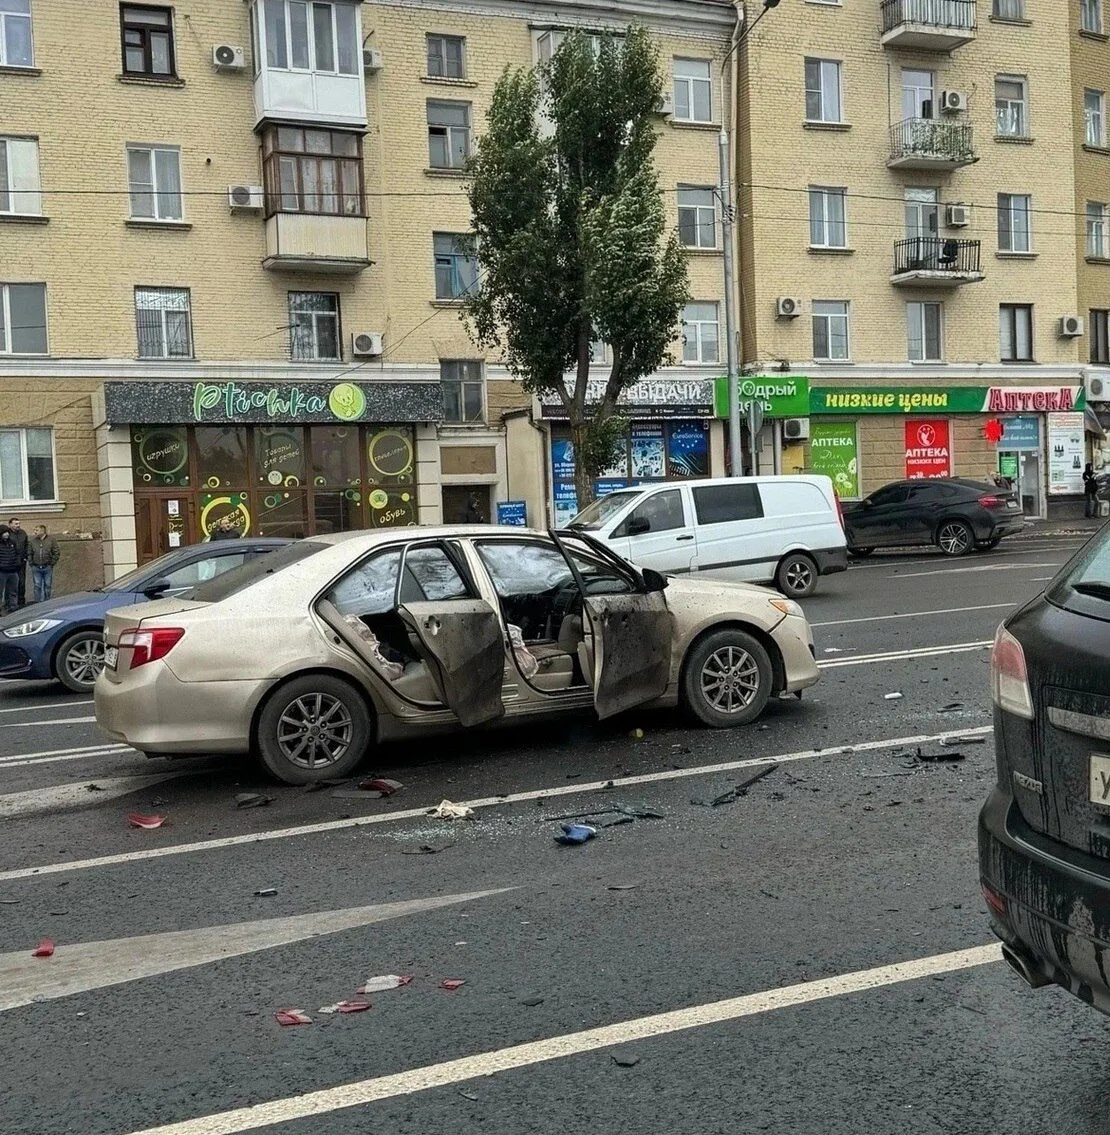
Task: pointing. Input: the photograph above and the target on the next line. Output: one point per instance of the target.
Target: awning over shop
(1091, 424)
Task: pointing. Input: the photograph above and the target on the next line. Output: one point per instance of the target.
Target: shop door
(457, 504)
(162, 523)
(1023, 467)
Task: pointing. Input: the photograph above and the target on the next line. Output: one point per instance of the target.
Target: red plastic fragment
(292, 1017)
(138, 820)
(352, 1006)
(44, 949)
(451, 983)
(378, 784)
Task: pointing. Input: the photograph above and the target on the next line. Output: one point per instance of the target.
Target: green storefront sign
(834, 452)
(782, 396)
(946, 399)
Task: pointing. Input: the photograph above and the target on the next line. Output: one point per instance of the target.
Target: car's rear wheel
(79, 661)
(988, 545)
(727, 679)
(955, 538)
(796, 576)
(860, 553)
(313, 728)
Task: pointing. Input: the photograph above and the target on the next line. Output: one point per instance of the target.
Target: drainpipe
(728, 115)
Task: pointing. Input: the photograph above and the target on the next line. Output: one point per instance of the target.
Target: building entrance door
(162, 522)
(1024, 468)
(456, 503)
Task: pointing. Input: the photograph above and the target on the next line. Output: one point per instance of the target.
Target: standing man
(44, 554)
(224, 529)
(1090, 492)
(19, 539)
(10, 564)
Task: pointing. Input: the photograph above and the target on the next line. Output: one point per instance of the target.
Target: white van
(785, 530)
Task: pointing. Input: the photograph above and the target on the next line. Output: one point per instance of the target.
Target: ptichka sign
(928, 449)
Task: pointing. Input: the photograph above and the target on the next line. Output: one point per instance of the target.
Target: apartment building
(908, 237)
(231, 267)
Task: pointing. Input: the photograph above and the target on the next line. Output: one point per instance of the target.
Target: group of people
(40, 551)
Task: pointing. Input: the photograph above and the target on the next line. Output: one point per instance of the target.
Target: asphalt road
(795, 961)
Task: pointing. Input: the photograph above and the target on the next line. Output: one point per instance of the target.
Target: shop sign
(948, 399)
(779, 396)
(834, 452)
(1020, 433)
(1065, 453)
(928, 449)
(181, 403)
(649, 398)
(513, 514)
(1039, 399)
(1008, 466)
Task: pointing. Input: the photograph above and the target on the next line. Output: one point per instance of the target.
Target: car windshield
(134, 580)
(234, 581)
(1088, 574)
(596, 515)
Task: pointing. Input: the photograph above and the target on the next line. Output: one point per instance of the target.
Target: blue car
(64, 638)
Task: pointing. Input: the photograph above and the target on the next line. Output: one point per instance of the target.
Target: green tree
(571, 233)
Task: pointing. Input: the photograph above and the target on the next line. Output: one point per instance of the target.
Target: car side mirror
(653, 580)
(638, 525)
(156, 589)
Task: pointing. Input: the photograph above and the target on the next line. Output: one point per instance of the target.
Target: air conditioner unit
(371, 60)
(958, 216)
(246, 197)
(664, 104)
(788, 307)
(795, 429)
(366, 344)
(952, 102)
(228, 57)
(1070, 326)
(1097, 389)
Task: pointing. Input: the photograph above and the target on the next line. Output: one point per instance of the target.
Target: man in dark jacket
(44, 553)
(11, 564)
(225, 529)
(19, 538)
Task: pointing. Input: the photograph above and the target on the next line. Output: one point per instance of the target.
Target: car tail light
(995, 901)
(149, 646)
(1009, 677)
(992, 502)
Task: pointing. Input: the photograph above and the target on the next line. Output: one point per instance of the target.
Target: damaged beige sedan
(309, 656)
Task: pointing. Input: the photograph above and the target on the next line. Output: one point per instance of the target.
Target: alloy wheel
(954, 538)
(729, 679)
(84, 660)
(315, 730)
(798, 577)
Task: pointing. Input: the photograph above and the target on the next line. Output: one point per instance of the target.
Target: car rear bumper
(1007, 526)
(152, 710)
(15, 662)
(1057, 912)
(831, 560)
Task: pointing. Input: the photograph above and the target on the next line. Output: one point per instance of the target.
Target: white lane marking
(938, 558)
(903, 655)
(62, 797)
(95, 965)
(915, 614)
(84, 755)
(970, 570)
(52, 721)
(483, 802)
(573, 1044)
(76, 753)
(50, 705)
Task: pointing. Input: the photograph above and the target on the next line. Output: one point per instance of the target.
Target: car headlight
(788, 607)
(32, 626)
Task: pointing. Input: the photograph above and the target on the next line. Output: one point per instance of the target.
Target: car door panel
(630, 659)
(669, 543)
(464, 645)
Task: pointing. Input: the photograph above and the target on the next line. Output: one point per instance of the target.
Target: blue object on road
(576, 833)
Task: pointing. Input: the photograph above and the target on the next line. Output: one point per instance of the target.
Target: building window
(448, 134)
(693, 91)
(464, 391)
(697, 218)
(1014, 233)
(312, 37)
(1097, 244)
(455, 264)
(27, 464)
(924, 325)
(830, 330)
(16, 47)
(314, 325)
(700, 333)
(1008, 9)
(20, 187)
(154, 180)
(827, 220)
(147, 35)
(1015, 332)
(1094, 104)
(823, 90)
(447, 56)
(22, 319)
(162, 319)
(312, 171)
(918, 94)
(1011, 106)
(1090, 16)
(1099, 334)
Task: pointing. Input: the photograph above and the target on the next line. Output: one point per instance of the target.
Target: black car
(1044, 832)
(955, 514)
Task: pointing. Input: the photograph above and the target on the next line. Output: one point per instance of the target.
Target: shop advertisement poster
(1020, 433)
(562, 460)
(688, 452)
(514, 514)
(928, 452)
(1065, 453)
(648, 452)
(834, 453)
(566, 504)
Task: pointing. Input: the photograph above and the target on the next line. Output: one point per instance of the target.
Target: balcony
(930, 143)
(928, 25)
(303, 242)
(934, 262)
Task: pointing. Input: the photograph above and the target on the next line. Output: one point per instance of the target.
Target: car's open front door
(631, 628)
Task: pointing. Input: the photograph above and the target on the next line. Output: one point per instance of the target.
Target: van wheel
(727, 679)
(313, 728)
(797, 576)
(79, 661)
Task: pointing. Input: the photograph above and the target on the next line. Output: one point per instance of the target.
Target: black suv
(1044, 832)
(953, 513)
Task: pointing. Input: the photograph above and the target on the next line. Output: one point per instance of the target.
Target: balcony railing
(944, 261)
(931, 143)
(930, 25)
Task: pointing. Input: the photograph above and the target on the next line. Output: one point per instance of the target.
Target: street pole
(736, 468)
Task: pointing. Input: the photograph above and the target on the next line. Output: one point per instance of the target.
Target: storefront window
(279, 456)
(335, 457)
(282, 514)
(160, 456)
(222, 456)
(391, 468)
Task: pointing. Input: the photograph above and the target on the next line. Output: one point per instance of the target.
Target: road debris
(346, 1007)
(576, 833)
(138, 820)
(448, 811)
(380, 785)
(951, 755)
(950, 741)
(384, 982)
(266, 893)
(636, 734)
(252, 800)
(622, 886)
(951, 706)
(624, 1059)
(93, 788)
(738, 790)
(327, 782)
(629, 811)
(532, 1002)
(452, 983)
(426, 849)
(45, 949)
(9, 902)
(292, 1017)
(892, 697)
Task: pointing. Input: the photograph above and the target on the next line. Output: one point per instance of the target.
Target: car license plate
(1012, 505)
(1100, 780)
(111, 657)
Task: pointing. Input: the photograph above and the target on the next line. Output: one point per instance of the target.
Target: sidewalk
(1073, 526)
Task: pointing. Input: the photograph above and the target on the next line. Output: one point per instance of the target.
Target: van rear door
(659, 532)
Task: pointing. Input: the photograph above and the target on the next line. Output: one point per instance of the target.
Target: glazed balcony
(936, 262)
(928, 25)
(931, 144)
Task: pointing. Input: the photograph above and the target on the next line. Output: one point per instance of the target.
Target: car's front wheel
(79, 661)
(313, 728)
(955, 538)
(727, 679)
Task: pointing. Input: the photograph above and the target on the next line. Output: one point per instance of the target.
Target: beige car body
(205, 696)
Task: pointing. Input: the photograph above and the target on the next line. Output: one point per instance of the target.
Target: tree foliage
(571, 232)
